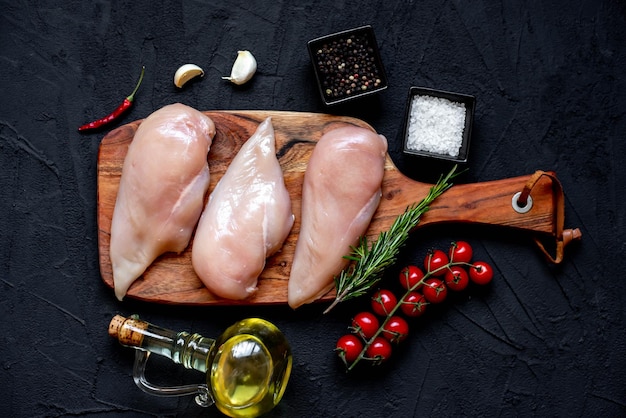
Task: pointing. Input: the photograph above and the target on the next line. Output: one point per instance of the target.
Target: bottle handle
(203, 397)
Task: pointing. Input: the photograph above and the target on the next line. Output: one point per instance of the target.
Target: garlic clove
(243, 68)
(186, 73)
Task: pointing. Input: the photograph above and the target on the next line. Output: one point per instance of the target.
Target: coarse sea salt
(435, 125)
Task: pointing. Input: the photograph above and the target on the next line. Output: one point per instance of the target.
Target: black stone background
(550, 86)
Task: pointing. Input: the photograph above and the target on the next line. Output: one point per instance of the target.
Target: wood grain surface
(171, 279)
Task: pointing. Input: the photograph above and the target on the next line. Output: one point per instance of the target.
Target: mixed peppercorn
(348, 66)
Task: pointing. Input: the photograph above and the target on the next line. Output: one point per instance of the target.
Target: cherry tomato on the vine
(366, 324)
(383, 302)
(434, 290)
(396, 329)
(410, 277)
(456, 278)
(460, 252)
(481, 273)
(413, 304)
(434, 262)
(349, 347)
(379, 350)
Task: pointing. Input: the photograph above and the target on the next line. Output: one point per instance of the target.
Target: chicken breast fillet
(340, 193)
(165, 177)
(247, 219)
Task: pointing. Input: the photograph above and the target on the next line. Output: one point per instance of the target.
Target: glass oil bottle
(247, 367)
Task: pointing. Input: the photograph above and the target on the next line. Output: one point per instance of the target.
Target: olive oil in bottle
(247, 367)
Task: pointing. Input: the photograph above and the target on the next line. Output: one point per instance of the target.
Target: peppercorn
(347, 66)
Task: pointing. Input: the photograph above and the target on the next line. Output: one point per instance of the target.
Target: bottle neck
(190, 350)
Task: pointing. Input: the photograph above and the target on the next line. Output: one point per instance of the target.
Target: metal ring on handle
(517, 207)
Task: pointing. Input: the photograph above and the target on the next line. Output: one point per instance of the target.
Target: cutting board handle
(532, 203)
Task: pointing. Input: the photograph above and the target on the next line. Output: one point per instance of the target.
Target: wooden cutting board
(171, 279)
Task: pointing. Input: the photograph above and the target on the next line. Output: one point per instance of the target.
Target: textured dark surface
(551, 93)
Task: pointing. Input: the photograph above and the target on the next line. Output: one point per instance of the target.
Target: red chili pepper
(126, 104)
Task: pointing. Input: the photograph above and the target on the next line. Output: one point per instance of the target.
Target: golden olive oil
(247, 367)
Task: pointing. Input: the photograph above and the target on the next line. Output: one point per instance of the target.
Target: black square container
(347, 65)
(448, 98)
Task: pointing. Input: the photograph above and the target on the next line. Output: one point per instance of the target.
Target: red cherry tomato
(480, 272)
(434, 262)
(365, 324)
(456, 278)
(410, 277)
(379, 350)
(435, 290)
(349, 347)
(396, 329)
(383, 302)
(460, 252)
(413, 304)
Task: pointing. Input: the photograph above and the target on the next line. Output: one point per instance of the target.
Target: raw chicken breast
(247, 218)
(165, 177)
(341, 191)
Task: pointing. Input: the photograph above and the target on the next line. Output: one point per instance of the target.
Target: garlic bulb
(243, 68)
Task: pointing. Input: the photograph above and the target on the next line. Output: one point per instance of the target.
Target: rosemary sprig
(369, 263)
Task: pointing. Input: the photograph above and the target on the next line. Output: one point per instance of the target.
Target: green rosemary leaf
(370, 262)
